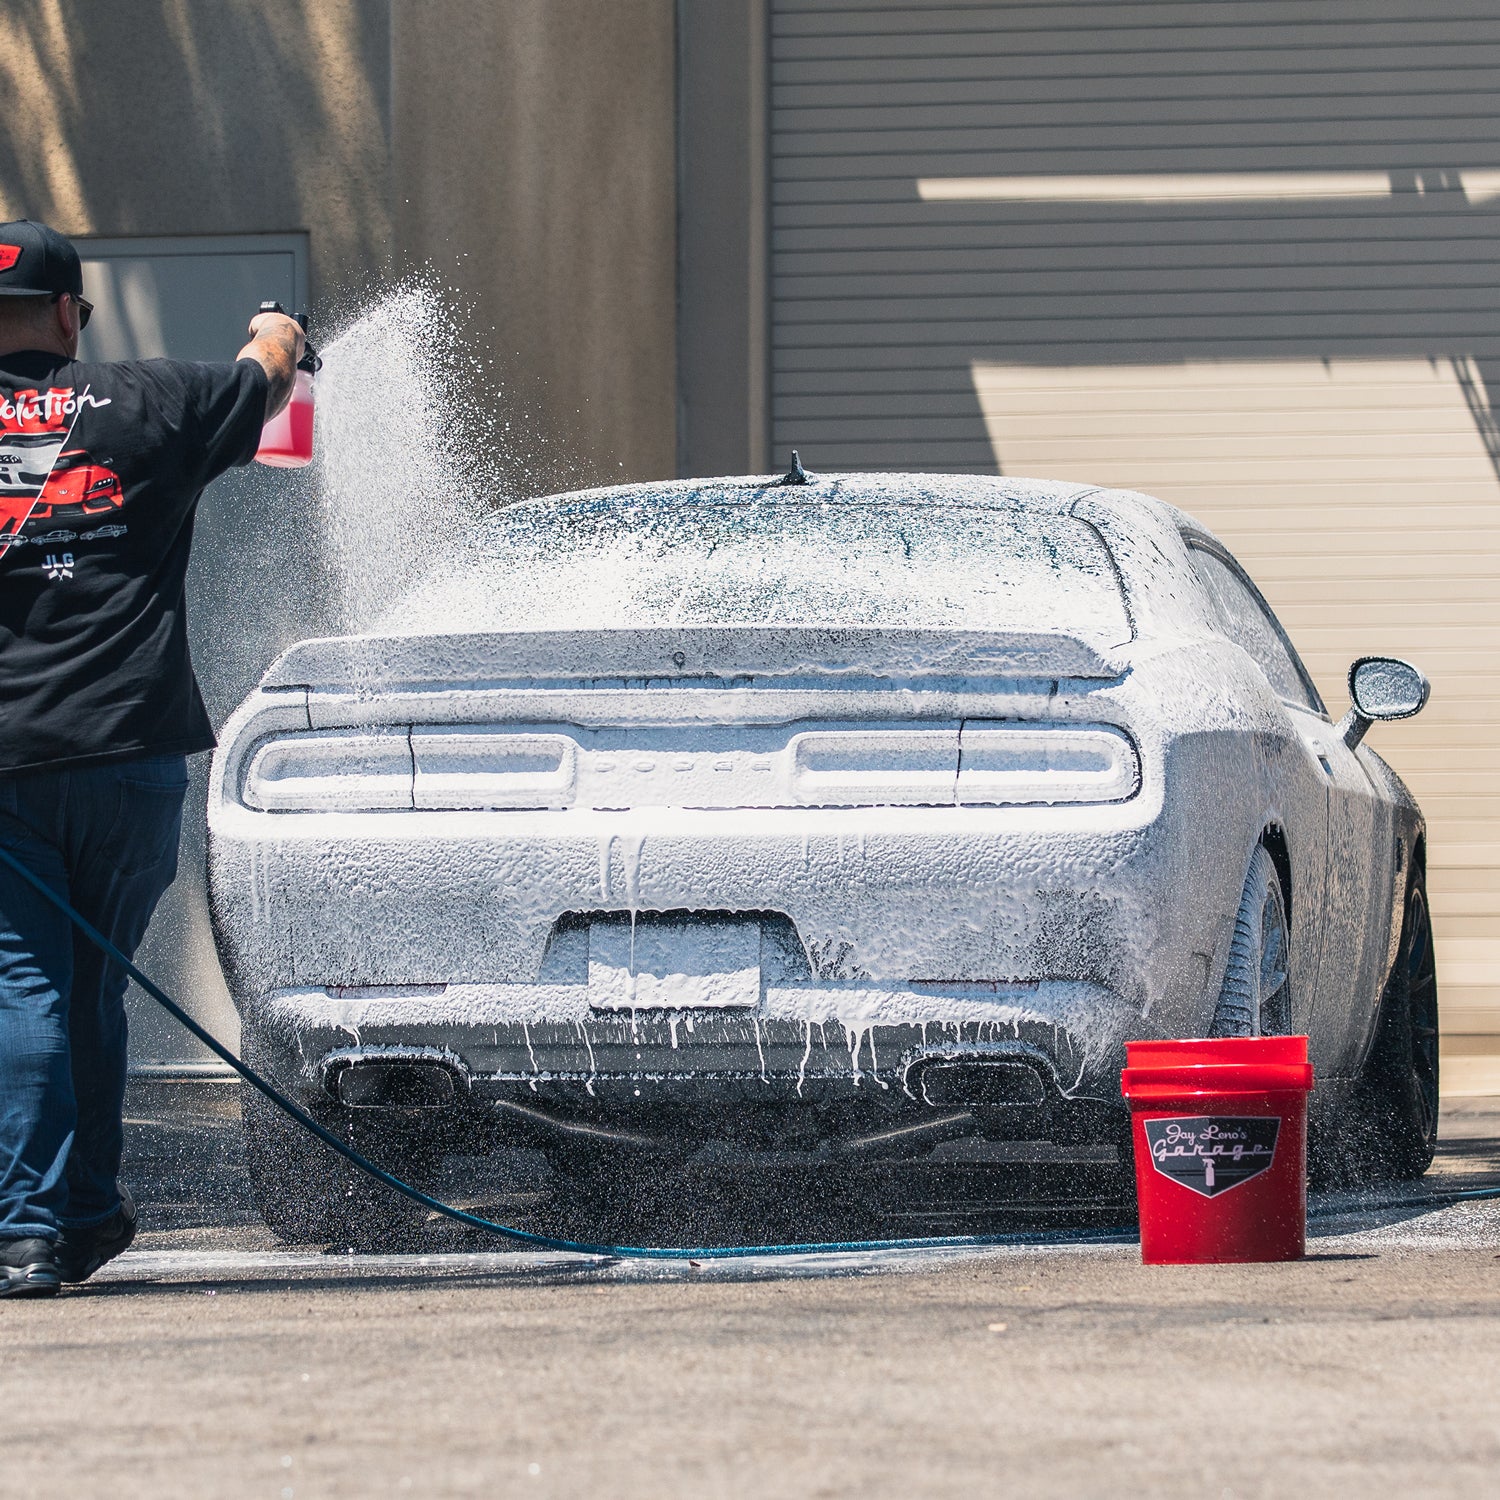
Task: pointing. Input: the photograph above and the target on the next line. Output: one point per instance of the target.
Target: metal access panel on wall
(1239, 256)
(190, 297)
(186, 297)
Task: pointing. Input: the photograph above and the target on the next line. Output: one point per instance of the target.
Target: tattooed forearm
(276, 345)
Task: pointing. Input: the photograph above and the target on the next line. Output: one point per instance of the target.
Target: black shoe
(29, 1268)
(82, 1250)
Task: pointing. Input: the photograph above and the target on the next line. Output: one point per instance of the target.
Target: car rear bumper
(810, 1041)
(952, 894)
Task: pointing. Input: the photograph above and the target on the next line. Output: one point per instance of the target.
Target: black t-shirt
(101, 468)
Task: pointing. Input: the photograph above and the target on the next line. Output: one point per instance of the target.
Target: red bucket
(1220, 1133)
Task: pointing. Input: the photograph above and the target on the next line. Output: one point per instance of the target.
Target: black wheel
(1387, 1128)
(1255, 999)
(310, 1195)
(1401, 1074)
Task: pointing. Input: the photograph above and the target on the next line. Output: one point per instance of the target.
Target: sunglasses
(84, 306)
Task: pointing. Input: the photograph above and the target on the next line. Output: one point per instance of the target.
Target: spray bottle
(286, 441)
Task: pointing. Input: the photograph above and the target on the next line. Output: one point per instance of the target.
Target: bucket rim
(1218, 1078)
(1176, 1052)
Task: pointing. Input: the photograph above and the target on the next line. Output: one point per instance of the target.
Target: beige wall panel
(535, 162)
(169, 117)
(1351, 568)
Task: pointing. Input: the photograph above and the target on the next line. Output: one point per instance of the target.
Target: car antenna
(796, 474)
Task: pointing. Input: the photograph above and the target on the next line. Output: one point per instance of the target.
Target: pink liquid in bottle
(286, 441)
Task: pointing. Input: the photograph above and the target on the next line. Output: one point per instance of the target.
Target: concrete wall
(534, 166)
(526, 148)
(172, 117)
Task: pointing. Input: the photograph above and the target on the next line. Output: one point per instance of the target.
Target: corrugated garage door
(1240, 255)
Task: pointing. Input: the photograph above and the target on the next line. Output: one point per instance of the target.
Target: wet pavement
(184, 1161)
(213, 1360)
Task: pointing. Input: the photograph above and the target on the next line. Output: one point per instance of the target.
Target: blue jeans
(105, 839)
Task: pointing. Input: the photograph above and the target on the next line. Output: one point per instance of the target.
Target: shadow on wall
(202, 116)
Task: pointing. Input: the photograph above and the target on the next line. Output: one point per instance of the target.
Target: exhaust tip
(394, 1082)
(979, 1082)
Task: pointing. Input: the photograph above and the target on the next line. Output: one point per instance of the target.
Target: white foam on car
(400, 444)
(876, 551)
(840, 553)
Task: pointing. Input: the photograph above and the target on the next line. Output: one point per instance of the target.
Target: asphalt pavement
(212, 1361)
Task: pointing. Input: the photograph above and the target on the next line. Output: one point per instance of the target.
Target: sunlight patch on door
(1362, 496)
(1207, 187)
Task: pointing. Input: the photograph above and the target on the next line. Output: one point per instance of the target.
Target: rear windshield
(604, 565)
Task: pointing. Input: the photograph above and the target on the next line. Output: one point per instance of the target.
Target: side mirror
(1382, 687)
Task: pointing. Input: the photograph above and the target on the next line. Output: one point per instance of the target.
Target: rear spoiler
(366, 663)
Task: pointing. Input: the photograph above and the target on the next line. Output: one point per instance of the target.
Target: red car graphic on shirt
(78, 488)
(41, 483)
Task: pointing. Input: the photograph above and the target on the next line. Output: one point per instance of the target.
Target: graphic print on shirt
(43, 478)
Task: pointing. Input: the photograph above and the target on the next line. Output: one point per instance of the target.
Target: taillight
(474, 767)
(470, 768)
(989, 764)
(1011, 764)
(875, 767)
(334, 770)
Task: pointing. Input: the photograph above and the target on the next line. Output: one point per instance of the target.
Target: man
(101, 470)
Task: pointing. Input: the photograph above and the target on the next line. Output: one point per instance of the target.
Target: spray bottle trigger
(311, 360)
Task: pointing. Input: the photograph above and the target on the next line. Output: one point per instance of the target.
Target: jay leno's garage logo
(1212, 1153)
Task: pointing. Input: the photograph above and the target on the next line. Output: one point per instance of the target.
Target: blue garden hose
(510, 1232)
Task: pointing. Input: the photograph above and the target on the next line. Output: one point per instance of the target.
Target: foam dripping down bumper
(396, 1185)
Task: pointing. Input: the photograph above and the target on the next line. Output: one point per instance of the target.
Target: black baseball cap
(37, 261)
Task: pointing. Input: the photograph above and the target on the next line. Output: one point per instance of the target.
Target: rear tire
(310, 1195)
(1388, 1129)
(1255, 999)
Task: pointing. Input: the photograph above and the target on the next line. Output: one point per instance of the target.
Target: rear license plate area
(672, 962)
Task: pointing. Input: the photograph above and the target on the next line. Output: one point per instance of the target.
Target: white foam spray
(401, 441)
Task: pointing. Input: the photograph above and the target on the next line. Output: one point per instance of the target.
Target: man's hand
(276, 344)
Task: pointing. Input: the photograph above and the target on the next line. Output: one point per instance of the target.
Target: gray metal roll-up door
(884, 297)
(1241, 255)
